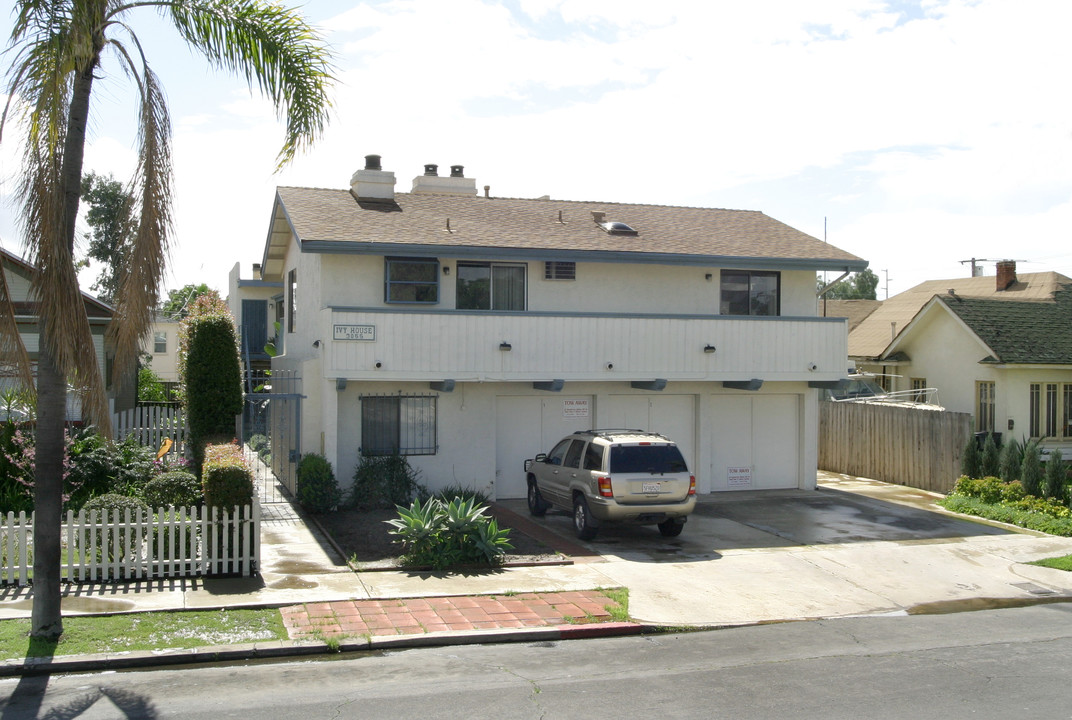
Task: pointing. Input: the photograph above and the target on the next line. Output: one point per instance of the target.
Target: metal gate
(271, 429)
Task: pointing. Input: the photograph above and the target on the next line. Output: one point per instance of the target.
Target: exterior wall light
(708, 349)
(505, 347)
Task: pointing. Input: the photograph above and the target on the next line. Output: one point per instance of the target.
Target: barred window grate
(398, 425)
(559, 270)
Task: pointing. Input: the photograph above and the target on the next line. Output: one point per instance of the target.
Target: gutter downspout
(828, 286)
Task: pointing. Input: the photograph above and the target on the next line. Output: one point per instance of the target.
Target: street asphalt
(853, 547)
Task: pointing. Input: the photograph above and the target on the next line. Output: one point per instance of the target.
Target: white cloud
(928, 132)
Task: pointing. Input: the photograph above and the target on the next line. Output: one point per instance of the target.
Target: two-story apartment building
(469, 332)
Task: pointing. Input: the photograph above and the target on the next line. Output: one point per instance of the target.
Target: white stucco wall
(358, 281)
(470, 420)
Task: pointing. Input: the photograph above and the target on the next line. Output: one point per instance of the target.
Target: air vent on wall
(559, 270)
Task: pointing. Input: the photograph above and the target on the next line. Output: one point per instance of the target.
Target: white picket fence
(151, 424)
(170, 543)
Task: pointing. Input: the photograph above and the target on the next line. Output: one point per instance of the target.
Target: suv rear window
(656, 459)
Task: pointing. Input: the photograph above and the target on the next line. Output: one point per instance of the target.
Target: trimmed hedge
(175, 488)
(226, 478)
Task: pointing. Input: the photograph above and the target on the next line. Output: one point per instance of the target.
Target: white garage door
(672, 415)
(755, 442)
(528, 425)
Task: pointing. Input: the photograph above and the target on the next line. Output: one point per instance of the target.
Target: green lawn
(144, 631)
(1060, 563)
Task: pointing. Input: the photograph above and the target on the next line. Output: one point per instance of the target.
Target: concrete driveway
(852, 547)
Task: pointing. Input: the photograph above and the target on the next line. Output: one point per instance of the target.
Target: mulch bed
(365, 541)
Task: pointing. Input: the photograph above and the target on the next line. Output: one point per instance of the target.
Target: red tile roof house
(998, 347)
(469, 332)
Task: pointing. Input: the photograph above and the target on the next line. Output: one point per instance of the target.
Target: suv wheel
(537, 505)
(671, 528)
(582, 518)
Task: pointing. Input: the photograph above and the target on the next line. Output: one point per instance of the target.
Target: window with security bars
(398, 425)
(559, 270)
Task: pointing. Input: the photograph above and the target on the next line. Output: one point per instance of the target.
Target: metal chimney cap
(372, 162)
(456, 170)
(431, 170)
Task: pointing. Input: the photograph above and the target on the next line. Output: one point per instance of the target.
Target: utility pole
(976, 271)
(886, 288)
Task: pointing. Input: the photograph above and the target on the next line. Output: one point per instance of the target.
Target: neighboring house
(470, 332)
(257, 305)
(162, 347)
(998, 347)
(17, 274)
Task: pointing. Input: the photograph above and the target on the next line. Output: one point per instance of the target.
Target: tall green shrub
(971, 464)
(1053, 481)
(210, 371)
(1012, 457)
(1031, 469)
(991, 458)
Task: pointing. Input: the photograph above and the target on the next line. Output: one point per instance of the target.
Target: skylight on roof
(613, 227)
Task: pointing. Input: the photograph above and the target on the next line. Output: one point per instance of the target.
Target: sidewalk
(853, 547)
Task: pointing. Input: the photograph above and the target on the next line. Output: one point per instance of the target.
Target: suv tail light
(692, 484)
(605, 489)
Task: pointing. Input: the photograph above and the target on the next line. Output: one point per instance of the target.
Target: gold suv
(627, 476)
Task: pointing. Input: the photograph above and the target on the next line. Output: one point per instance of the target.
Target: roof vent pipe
(431, 170)
(598, 216)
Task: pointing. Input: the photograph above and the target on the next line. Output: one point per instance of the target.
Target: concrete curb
(279, 649)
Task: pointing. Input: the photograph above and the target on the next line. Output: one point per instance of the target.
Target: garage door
(755, 442)
(672, 415)
(528, 425)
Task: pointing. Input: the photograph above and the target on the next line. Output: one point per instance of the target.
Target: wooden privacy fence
(118, 545)
(150, 424)
(896, 444)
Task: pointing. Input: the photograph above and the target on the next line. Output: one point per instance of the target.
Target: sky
(916, 135)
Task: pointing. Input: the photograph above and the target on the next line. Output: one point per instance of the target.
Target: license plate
(649, 488)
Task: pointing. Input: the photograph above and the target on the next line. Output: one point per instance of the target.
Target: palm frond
(141, 277)
(14, 360)
(273, 47)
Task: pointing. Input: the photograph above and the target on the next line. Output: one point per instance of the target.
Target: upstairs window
(159, 342)
(292, 300)
(411, 280)
(749, 292)
(491, 286)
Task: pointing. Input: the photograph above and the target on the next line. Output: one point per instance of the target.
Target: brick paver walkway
(417, 616)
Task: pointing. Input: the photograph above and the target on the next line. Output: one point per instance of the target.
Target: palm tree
(57, 47)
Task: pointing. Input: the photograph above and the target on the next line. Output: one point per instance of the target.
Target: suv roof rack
(603, 432)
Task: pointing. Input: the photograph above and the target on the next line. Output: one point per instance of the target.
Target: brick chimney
(1006, 274)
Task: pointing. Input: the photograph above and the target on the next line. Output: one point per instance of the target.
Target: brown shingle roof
(855, 310)
(335, 216)
(875, 333)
